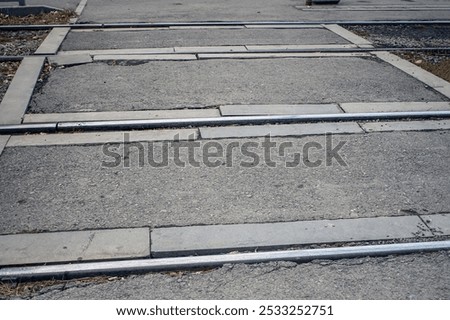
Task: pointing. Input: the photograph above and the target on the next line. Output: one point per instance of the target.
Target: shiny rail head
(68, 271)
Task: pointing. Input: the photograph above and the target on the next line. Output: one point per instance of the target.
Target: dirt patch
(54, 17)
(10, 290)
(20, 43)
(7, 71)
(438, 65)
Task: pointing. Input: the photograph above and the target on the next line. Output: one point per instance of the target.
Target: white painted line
(258, 110)
(212, 239)
(120, 115)
(280, 130)
(120, 51)
(3, 142)
(439, 223)
(146, 57)
(15, 102)
(264, 48)
(53, 41)
(348, 35)
(425, 125)
(281, 26)
(89, 138)
(21, 249)
(280, 55)
(204, 27)
(420, 74)
(210, 49)
(369, 107)
(70, 59)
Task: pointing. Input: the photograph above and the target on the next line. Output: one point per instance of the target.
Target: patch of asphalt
(195, 84)
(67, 188)
(415, 276)
(196, 37)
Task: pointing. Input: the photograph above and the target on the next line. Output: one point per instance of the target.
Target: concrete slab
(205, 56)
(91, 138)
(439, 223)
(120, 115)
(70, 60)
(214, 239)
(253, 110)
(145, 57)
(119, 51)
(424, 125)
(426, 77)
(3, 142)
(158, 85)
(281, 26)
(16, 99)
(204, 27)
(257, 48)
(118, 29)
(210, 49)
(38, 248)
(197, 37)
(53, 41)
(305, 129)
(60, 188)
(358, 107)
(79, 9)
(348, 35)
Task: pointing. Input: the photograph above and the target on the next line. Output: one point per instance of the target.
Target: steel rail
(10, 58)
(305, 50)
(217, 121)
(217, 23)
(75, 270)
